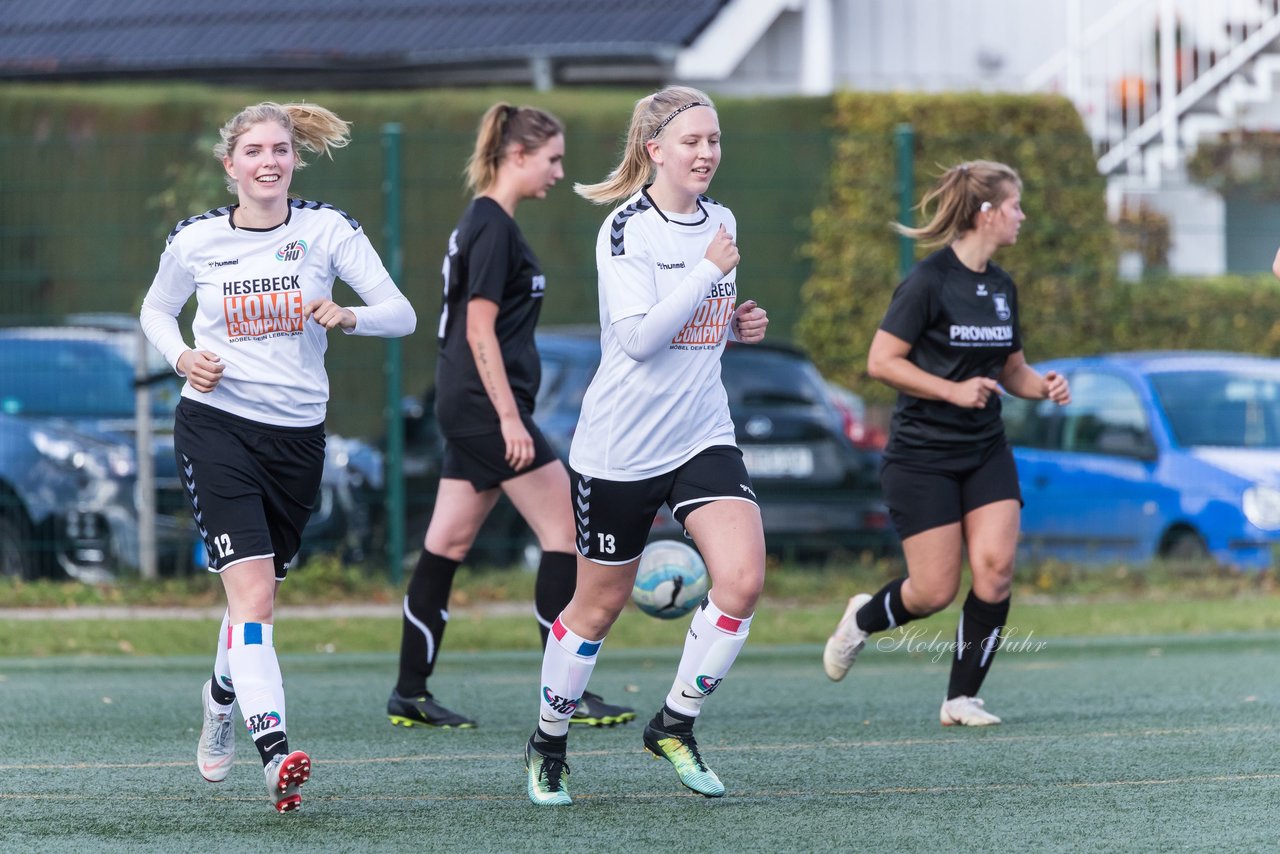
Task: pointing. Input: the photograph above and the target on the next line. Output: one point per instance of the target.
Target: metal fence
(83, 218)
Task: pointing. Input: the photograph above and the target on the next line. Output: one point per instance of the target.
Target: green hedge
(95, 176)
(1233, 313)
(1063, 263)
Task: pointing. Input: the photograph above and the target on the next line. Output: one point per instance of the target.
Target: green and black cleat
(423, 710)
(593, 711)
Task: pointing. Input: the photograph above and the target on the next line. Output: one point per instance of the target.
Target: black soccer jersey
(961, 324)
(488, 257)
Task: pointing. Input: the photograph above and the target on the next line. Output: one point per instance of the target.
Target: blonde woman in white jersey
(655, 429)
(249, 430)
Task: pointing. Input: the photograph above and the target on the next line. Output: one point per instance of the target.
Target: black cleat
(593, 711)
(423, 710)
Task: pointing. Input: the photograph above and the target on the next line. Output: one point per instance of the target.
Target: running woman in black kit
(949, 344)
(486, 380)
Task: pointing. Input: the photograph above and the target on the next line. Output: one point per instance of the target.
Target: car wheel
(1186, 546)
(16, 557)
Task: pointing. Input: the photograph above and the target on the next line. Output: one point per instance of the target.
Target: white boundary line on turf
(944, 739)
(772, 795)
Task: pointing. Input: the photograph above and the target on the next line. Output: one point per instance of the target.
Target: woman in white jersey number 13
(249, 430)
(654, 430)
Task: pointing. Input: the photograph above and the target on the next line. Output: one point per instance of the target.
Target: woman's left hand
(329, 314)
(749, 322)
(1056, 388)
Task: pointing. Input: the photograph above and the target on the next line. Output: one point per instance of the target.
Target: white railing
(1137, 72)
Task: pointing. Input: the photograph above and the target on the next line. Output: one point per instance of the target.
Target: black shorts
(252, 486)
(482, 459)
(921, 497)
(613, 517)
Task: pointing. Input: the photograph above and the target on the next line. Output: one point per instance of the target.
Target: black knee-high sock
(426, 610)
(557, 578)
(220, 695)
(885, 610)
(977, 639)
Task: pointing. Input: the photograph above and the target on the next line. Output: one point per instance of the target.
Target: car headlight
(60, 449)
(1262, 506)
(69, 452)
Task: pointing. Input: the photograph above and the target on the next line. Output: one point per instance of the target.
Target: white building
(1106, 55)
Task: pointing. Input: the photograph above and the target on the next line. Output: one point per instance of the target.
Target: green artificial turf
(1141, 743)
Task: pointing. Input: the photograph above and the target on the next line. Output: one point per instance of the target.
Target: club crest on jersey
(294, 250)
(1002, 306)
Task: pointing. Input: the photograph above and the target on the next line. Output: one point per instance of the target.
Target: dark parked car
(1173, 455)
(68, 465)
(818, 492)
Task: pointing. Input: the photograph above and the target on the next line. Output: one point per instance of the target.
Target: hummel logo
(982, 289)
(747, 490)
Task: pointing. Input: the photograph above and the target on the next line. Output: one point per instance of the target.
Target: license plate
(777, 461)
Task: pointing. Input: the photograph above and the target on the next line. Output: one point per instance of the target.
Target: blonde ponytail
(960, 195)
(311, 127)
(650, 117)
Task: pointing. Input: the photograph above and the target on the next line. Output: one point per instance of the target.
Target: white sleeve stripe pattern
(619, 225)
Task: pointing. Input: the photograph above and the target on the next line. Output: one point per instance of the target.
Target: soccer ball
(670, 581)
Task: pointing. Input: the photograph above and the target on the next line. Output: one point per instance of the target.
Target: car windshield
(71, 379)
(1226, 409)
(757, 377)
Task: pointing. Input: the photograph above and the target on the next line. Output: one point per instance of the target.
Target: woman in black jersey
(949, 344)
(486, 380)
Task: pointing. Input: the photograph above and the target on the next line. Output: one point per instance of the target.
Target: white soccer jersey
(250, 287)
(644, 418)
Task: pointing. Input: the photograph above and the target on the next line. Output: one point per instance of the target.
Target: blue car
(1170, 455)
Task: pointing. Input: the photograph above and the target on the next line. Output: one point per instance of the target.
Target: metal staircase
(1152, 77)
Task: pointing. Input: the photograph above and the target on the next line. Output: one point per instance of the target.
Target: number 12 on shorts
(223, 544)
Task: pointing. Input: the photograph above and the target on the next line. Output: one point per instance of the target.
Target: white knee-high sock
(221, 669)
(251, 655)
(713, 642)
(567, 663)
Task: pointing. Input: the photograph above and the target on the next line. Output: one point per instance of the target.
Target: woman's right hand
(519, 443)
(974, 392)
(202, 369)
(723, 251)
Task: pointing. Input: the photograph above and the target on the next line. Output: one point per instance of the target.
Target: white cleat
(285, 776)
(217, 748)
(966, 711)
(847, 641)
